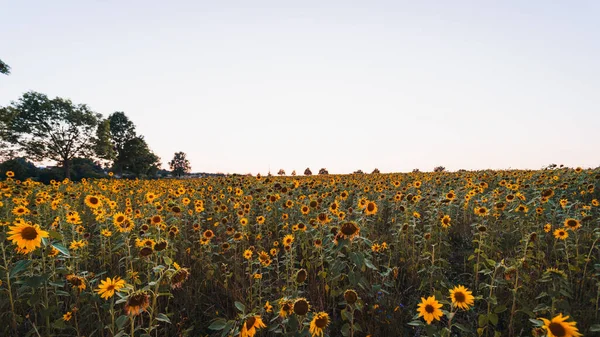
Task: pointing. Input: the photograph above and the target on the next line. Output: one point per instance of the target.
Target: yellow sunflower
(446, 221)
(560, 233)
(461, 297)
(318, 324)
(93, 201)
(108, 287)
(27, 236)
(429, 309)
(250, 326)
(558, 327)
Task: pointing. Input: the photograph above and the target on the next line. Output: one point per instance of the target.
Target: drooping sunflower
(429, 309)
(572, 224)
(318, 324)
(137, 303)
(250, 326)
(286, 307)
(349, 230)
(559, 327)
(108, 287)
(350, 296)
(179, 277)
(560, 233)
(301, 306)
(27, 236)
(76, 281)
(93, 201)
(461, 297)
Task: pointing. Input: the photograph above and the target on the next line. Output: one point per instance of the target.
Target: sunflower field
(471, 253)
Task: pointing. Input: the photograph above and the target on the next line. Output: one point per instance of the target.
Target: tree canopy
(4, 68)
(179, 164)
(55, 129)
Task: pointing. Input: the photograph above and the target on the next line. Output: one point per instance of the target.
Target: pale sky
(241, 86)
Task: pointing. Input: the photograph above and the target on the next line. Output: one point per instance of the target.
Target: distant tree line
(36, 128)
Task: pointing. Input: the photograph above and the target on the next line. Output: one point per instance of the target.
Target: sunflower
(260, 219)
(349, 230)
(179, 277)
(250, 326)
(285, 307)
(108, 287)
(572, 224)
(350, 296)
(481, 211)
(318, 324)
(446, 221)
(558, 327)
(93, 201)
(76, 281)
(547, 228)
(208, 234)
(247, 254)
(301, 306)
(119, 218)
(461, 297)
(301, 276)
(10, 174)
(560, 233)
(137, 303)
(288, 239)
(370, 208)
(20, 210)
(67, 316)
(429, 309)
(27, 236)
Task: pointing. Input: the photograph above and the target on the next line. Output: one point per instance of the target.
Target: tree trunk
(67, 168)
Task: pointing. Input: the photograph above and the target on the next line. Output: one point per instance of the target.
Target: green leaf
(218, 324)
(167, 260)
(595, 328)
(369, 264)
(19, 267)
(121, 321)
(500, 309)
(55, 235)
(482, 320)
(493, 318)
(536, 322)
(240, 307)
(163, 318)
(61, 249)
(461, 327)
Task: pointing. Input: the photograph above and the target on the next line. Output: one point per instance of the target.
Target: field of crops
(488, 253)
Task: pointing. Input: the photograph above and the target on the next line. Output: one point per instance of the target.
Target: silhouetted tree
(375, 171)
(180, 165)
(54, 129)
(4, 68)
(281, 172)
(439, 169)
(323, 171)
(294, 173)
(358, 172)
(307, 172)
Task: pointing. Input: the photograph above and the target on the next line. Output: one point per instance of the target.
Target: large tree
(104, 146)
(51, 129)
(137, 158)
(4, 68)
(180, 165)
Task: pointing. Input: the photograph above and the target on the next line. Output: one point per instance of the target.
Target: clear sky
(241, 86)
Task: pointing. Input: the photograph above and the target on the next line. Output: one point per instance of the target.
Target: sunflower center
(301, 307)
(250, 323)
(459, 297)
(93, 200)
(571, 223)
(110, 287)
(557, 329)
(370, 207)
(29, 233)
(321, 322)
(429, 309)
